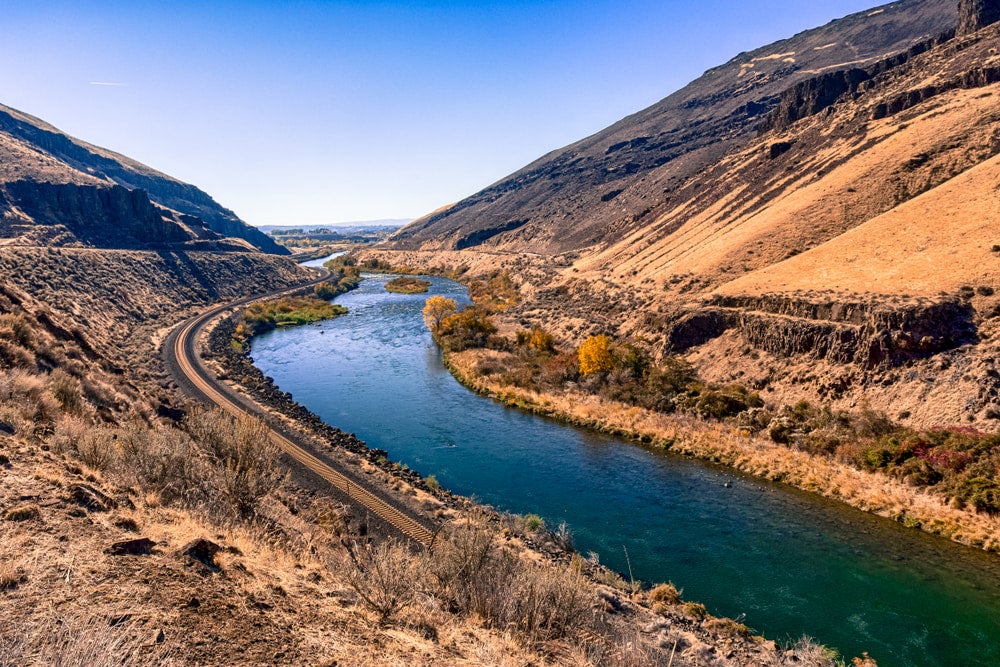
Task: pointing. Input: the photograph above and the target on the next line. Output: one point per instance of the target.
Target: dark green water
(785, 562)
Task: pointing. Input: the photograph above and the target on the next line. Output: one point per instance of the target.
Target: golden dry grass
(937, 242)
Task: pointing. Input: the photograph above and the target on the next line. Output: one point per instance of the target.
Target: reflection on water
(792, 563)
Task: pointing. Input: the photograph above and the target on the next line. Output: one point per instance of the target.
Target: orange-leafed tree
(596, 355)
(437, 310)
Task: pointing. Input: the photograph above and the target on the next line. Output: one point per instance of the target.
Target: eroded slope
(619, 180)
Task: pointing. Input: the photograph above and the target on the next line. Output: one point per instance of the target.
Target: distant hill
(341, 227)
(58, 190)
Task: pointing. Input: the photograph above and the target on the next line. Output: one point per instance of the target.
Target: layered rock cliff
(839, 329)
(977, 14)
(32, 150)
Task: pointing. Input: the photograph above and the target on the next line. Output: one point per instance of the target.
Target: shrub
(672, 375)
(808, 652)
(872, 424)
(725, 402)
(981, 493)
(727, 627)
(495, 293)
(382, 575)
(562, 536)
(19, 329)
(165, 462)
(631, 359)
(325, 291)
(67, 391)
(549, 604)
(468, 328)
(695, 610)
(665, 594)
(533, 522)
(241, 453)
(537, 339)
(469, 572)
(97, 448)
(15, 356)
(563, 367)
(595, 356)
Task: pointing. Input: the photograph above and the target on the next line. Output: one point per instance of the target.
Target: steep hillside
(57, 189)
(131, 536)
(842, 252)
(621, 179)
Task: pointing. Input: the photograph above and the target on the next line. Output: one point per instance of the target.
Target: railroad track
(181, 353)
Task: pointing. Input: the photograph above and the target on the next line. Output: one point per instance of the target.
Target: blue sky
(315, 112)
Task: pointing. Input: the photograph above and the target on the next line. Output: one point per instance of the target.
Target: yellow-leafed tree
(437, 309)
(596, 356)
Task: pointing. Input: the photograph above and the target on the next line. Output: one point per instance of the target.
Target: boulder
(202, 551)
(140, 547)
(91, 498)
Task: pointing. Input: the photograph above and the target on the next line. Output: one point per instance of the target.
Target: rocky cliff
(977, 14)
(92, 215)
(32, 150)
(843, 329)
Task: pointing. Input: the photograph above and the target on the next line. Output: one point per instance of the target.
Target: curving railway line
(180, 351)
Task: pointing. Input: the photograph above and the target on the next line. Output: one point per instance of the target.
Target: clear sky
(303, 112)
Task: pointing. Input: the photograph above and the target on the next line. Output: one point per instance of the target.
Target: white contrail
(106, 83)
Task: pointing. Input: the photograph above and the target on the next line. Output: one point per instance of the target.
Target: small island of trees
(407, 285)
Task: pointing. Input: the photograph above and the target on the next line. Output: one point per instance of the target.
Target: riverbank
(648, 614)
(738, 449)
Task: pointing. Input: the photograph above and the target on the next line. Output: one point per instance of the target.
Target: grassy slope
(940, 241)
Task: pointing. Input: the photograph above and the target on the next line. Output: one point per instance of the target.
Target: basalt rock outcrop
(974, 15)
(819, 93)
(94, 216)
(31, 151)
(843, 330)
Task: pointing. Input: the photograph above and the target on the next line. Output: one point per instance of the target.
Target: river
(784, 562)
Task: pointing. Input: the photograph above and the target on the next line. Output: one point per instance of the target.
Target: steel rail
(183, 351)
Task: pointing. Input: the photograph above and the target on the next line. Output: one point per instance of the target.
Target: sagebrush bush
(96, 447)
(166, 462)
(18, 329)
(382, 575)
(66, 390)
(470, 572)
(242, 454)
(15, 356)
